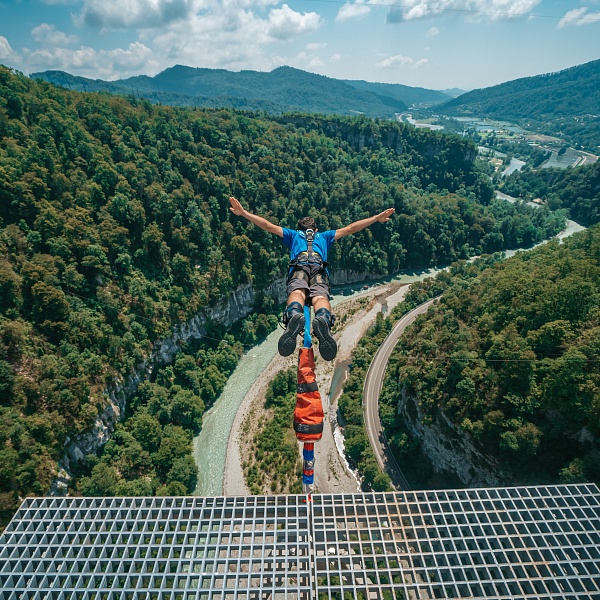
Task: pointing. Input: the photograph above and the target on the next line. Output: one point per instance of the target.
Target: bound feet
(322, 324)
(293, 317)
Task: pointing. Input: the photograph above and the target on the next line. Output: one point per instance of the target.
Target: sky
(439, 44)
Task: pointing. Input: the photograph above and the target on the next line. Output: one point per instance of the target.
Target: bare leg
(321, 302)
(297, 296)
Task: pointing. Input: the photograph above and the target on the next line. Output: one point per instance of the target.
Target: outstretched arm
(237, 209)
(359, 225)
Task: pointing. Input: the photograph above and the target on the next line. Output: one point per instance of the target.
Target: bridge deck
(525, 542)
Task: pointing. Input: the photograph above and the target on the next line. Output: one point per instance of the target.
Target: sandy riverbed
(331, 472)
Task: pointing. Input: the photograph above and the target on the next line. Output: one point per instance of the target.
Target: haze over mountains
(284, 89)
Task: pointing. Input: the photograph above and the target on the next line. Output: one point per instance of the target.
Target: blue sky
(434, 44)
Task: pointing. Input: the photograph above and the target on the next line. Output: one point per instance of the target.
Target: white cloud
(231, 37)
(284, 23)
(88, 62)
(579, 16)
(7, 54)
(229, 34)
(398, 59)
(352, 11)
(48, 34)
(336, 57)
(493, 10)
(394, 60)
(121, 14)
(432, 32)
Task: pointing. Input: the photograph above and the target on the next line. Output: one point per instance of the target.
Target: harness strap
(304, 259)
(302, 388)
(302, 428)
(310, 236)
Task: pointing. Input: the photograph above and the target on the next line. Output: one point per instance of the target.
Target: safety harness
(309, 257)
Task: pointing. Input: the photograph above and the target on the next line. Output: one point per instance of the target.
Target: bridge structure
(519, 542)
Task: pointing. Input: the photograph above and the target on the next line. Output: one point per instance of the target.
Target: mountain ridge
(284, 89)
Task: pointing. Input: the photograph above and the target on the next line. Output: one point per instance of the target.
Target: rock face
(344, 276)
(449, 448)
(237, 305)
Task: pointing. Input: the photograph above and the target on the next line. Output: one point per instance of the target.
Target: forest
(576, 189)
(511, 356)
(114, 227)
(150, 452)
(356, 442)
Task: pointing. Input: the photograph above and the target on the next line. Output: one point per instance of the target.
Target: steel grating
(526, 542)
(157, 548)
(529, 542)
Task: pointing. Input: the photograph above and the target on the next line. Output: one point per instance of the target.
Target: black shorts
(319, 287)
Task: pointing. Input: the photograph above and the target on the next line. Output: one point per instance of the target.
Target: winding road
(372, 390)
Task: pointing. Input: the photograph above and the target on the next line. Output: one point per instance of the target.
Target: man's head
(307, 223)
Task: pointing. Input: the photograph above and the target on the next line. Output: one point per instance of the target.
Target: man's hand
(385, 215)
(236, 208)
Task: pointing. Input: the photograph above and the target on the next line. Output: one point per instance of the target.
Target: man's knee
(297, 296)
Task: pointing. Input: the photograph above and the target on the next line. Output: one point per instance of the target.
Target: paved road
(372, 390)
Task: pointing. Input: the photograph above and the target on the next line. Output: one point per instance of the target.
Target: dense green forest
(577, 189)
(356, 442)
(564, 103)
(511, 357)
(114, 227)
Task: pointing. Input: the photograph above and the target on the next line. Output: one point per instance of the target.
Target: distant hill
(284, 89)
(566, 103)
(413, 96)
(454, 92)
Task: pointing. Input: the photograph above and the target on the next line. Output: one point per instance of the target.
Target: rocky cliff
(237, 305)
(448, 447)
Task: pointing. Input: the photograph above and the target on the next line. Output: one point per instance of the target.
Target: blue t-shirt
(296, 242)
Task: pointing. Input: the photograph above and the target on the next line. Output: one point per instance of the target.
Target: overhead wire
(463, 10)
(450, 359)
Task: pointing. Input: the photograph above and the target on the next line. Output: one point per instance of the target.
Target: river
(210, 445)
(515, 165)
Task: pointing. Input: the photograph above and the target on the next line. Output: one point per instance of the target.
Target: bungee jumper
(308, 276)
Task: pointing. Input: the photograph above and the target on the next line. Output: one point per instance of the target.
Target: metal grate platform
(531, 542)
(528, 542)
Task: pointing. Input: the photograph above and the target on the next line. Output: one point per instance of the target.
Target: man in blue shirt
(308, 276)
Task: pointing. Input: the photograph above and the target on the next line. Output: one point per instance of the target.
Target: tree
(104, 481)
